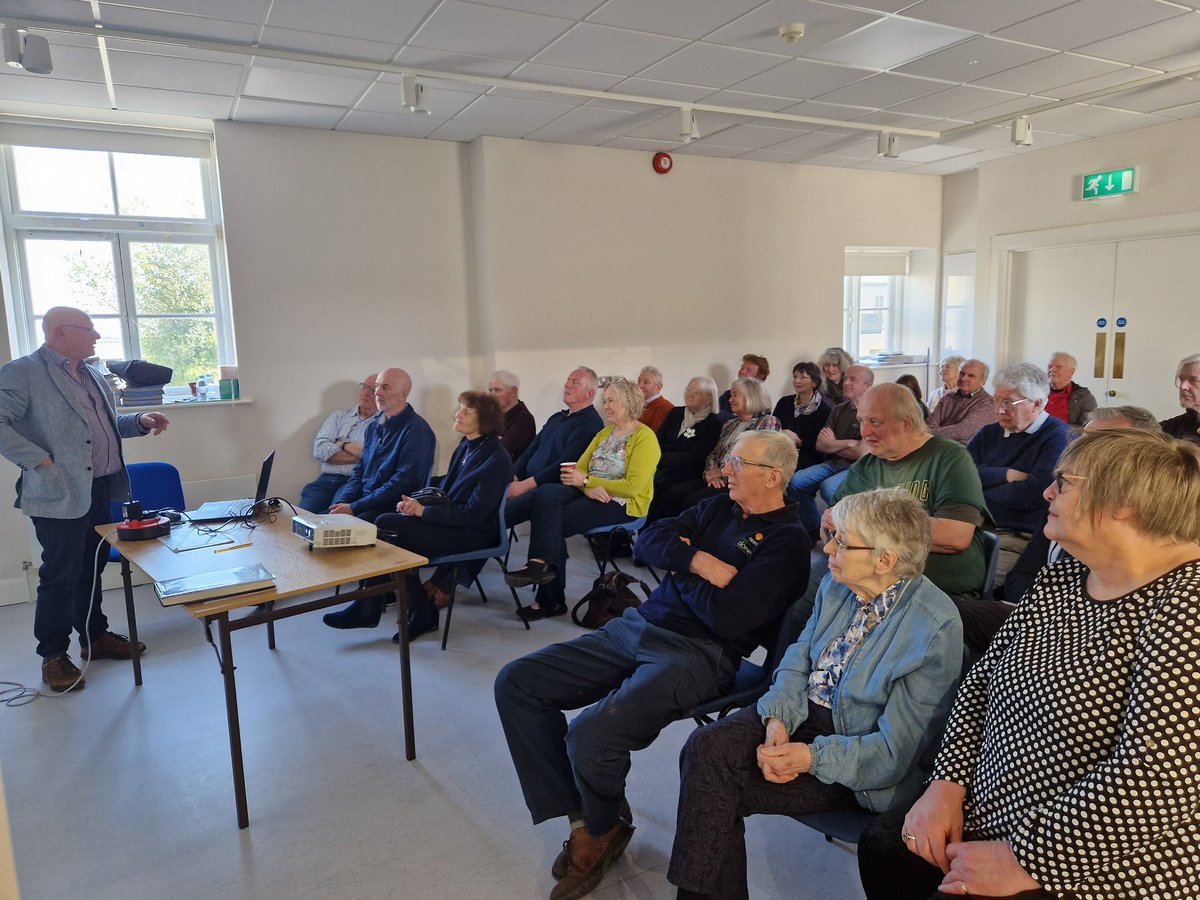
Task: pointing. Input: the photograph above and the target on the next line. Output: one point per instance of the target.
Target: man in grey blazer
(58, 424)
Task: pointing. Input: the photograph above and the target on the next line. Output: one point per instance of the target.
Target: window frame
(121, 231)
(852, 311)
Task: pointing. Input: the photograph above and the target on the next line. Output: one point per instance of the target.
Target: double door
(1127, 310)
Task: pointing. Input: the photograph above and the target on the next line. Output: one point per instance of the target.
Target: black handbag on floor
(609, 597)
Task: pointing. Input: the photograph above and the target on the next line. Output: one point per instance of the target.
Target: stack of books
(142, 396)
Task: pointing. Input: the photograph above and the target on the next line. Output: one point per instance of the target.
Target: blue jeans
(558, 512)
(825, 477)
(317, 496)
(638, 679)
(65, 582)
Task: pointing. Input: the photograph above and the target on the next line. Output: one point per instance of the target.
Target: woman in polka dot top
(1071, 762)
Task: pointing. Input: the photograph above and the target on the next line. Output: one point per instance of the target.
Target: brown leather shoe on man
(110, 646)
(562, 862)
(439, 597)
(589, 858)
(61, 674)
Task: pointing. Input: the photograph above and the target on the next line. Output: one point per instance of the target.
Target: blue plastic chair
(991, 556)
(156, 485)
(498, 552)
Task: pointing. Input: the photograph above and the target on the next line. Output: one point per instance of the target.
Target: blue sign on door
(1102, 323)
(1121, 322)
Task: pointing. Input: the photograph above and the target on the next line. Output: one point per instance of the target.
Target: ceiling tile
(759, 30)
(327, 44)
(814, 142)
(485, 30)
(1122, 76)
(771, 155)
(666, 127)
(592, 81)
(515, 111)
(276, 112)
(820, 110)
(375, 20)
(699, 148)
(1164, 95)
(639, 144)
(19, 85)
(1088, 21)
(460, 63)
(1175, 61)
(458, 130)
(78, 61)
(884, 89)
(888, 43)
(973, 59)
(136, 19)
(801, 79)
(406, 125)
(596, 124)
(1092, 121)
(70, 11)
(645, 87)
(984, 16)
(234, 10)
(603, 49)
(897, 120)
(1175, 35)
(571, 9)
(1043, 76)
(1187, 111)
(164, 72)
(885, 165)
(277, 80)
(753, 137)
(694, 20)
(388, 97)
(993, 137)
(712, 66)
(747, 101)
(932, 153)
(953, 102)
(1017, 104)
(174, 103)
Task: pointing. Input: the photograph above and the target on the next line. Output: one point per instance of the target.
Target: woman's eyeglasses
(842, 545)
(1061, 479)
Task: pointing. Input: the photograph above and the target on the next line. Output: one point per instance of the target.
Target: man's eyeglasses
(1010, 405)
(88, 328)
(736, 463)
(842, 546)
(1061, 478)
(363, 386)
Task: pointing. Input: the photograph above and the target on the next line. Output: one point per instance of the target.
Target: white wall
(349, 253)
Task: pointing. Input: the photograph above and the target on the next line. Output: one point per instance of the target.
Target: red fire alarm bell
(663, 163)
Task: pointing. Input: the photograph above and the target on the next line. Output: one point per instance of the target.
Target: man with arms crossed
(519, 427)
(734, 563)
(58, 424)
(1186, 427)
(960, 414)
(339, 446)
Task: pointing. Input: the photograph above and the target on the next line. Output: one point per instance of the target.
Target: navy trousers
(317, 496)
(69, 579)
(634, 677)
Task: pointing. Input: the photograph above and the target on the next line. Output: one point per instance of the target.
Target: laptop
(224, 510)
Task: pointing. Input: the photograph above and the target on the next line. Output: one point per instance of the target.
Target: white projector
(338, 530)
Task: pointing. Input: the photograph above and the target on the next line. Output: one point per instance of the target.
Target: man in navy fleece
(735, 563)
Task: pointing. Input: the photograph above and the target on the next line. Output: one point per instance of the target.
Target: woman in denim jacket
(852, 708)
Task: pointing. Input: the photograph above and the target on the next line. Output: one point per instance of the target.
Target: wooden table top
(297, 569)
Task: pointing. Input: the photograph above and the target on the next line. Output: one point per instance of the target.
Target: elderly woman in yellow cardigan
(611, 484)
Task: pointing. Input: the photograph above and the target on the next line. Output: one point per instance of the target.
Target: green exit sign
(1109, 184)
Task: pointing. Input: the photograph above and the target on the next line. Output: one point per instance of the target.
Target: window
(958, 311)
(873, 307)
(132, 238)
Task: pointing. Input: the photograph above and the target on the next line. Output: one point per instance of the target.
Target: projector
(338, 530)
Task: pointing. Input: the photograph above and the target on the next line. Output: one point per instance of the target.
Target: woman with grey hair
(751, 407)
(855, 702)
(686, 437)
(948, 373)
(834, 362)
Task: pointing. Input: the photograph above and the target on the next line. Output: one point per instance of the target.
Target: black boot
(364, 613)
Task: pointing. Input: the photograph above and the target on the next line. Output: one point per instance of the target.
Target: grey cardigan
(39, 417)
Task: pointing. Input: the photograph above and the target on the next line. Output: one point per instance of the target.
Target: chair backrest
(156, 485)
(991, 558)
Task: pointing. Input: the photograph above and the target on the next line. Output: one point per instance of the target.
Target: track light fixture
(1022, 132)
(22, 50)
(889, 145)
(688, 129)
(413, 94)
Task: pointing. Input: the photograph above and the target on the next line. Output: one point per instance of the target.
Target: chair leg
(449, 611)
(512, 590)
(482, 595)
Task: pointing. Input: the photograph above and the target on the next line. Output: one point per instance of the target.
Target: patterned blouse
(823, 679)
(1077, 737)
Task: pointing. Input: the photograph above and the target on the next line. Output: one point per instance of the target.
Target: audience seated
(650, 383)
(753, 366)
(1068, 402)
(802, 415)
(474, 485)
(338, 447)
(685, 439)
(397, 454)
(840, 442)
(910, 382)
(733, 565)
(519, 427)
(1016, 458)
(751, 406)
(611, 484)
(940, 474)
(852, 709)
(834, 363)
(960, 414)
(1186, 426)
(1068, 767)
(948, 376)
(562, 439)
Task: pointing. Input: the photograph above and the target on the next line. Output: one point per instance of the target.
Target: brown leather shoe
(110, 646)
(590, 857)
(562, 862)
(61, 674)
(439, 597)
